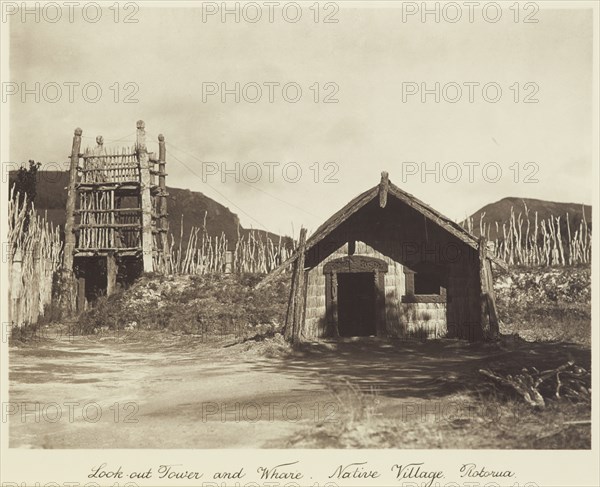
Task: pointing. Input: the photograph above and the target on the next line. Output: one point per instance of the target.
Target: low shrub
(212, 304)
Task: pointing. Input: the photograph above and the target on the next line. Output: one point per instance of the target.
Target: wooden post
(489, 316)
(295, 313)
(334, 305)
(228, 261)
(380, 320)
(145, 197)
(81, 295)
(111, 273)
(288, 330)
(112, 231)
(484, 316)
(162, 183)
(71, 199)
(300, 299)
(15, 289)
(99, 150)
(68, 285)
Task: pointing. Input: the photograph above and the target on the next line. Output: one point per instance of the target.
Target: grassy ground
(516, 428)
(455, 407)
(546, 304)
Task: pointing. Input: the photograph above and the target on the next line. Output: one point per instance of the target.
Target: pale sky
(368, 55)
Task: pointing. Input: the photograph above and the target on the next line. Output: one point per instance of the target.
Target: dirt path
(159, 391)
(152, 395)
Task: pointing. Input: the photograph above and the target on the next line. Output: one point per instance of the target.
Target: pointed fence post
(15, 289)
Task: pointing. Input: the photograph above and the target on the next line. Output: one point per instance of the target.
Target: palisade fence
(205, 254)
(34, 255)
(527, 240)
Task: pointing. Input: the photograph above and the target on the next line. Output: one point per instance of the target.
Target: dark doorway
(356, 304)
(93, 270)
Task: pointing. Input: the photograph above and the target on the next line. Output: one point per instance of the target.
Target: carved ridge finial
(384, 186)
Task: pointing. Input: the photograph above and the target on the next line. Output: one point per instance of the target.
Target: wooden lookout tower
(116, 216)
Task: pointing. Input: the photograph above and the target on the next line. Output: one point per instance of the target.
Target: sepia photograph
(309, 243)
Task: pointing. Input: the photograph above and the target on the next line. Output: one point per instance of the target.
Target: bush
(546, 304)
(208, 304)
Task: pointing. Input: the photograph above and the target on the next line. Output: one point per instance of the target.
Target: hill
(500, 213)
(192, 205)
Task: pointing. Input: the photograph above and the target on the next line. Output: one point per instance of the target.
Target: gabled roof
(361, 200)
(384, 188)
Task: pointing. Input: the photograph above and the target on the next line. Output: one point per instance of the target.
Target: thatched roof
(381, 191)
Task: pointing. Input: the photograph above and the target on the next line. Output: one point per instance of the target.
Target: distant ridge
(500, 212)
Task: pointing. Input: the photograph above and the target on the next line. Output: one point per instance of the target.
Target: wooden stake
(81, 295)
(111, 273)
(489, 315)
(295, 311)
(145, 197)
(162, 183)
(71, 198)
(300, 290)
